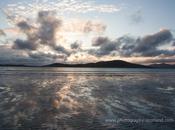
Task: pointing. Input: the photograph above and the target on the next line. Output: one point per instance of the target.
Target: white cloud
(18, 11)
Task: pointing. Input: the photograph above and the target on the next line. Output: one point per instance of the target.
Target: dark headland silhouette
(101, 64)
(163, 65)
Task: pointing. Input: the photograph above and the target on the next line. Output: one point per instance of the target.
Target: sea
(45, 98)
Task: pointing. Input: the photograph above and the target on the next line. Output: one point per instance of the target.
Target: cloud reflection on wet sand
(53, 101)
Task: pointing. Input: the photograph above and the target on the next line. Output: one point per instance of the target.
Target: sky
(39, 32)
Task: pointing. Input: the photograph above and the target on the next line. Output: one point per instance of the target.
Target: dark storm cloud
(105, 49)
(24, 44)
(106, 46)
(22, 57)
(61, 49)
(48, 26)
(47, 56)
(23, 25)
(128, 46)
(30, 43)
(123, 46)
(45, 34)
(147, 46)
(75, 45)
(99, 41)
(11, 56)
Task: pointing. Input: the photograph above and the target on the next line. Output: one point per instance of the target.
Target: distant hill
(102, 64)
(163, 65)
(12, 65)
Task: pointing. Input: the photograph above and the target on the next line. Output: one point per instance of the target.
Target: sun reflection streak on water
(63, 95)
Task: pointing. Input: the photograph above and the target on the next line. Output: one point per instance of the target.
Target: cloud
(136, 17)
(164, 60)
(44, 34)
(24, 44)
(41, 37)
(45, 40)
(90, 26)
(12, 31)
(152, 60)
(48, 27)
(47, 58)
(2, 33)
(48, 30)
(84, 26)
(147, 46)
(75, 46)
(173, 43)
(106, 46)
(127, 46)
(14, 56)
(122, 46)
(82, 57)
(62, 50)
(99, 41)
(17, 11)
(42, 28)
(23, 25)
(11, 56)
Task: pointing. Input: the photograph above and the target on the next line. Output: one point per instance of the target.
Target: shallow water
(86, 99)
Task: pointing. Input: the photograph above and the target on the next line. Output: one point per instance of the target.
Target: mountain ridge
(162, 65)
(100, 64)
